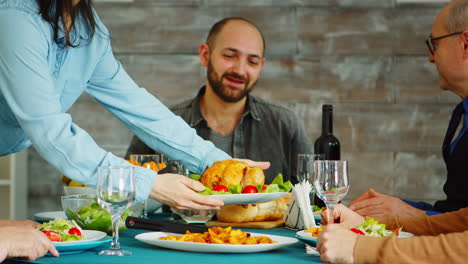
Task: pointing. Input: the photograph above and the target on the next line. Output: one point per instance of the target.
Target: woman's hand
(348, 218)
(179, 191)
(336, 244)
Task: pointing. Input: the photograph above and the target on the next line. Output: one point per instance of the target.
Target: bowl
(73, 190)
(195, 216)
(88, 214)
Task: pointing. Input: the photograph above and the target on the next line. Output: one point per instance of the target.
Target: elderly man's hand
(374, 204)
(336, 244)
(179, 192)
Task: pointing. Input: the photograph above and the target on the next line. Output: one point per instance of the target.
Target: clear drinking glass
(115, 193)
(305, 166)
(306, 171)
(331, 182)
(154, 162)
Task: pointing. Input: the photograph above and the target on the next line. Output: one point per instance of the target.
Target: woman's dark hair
(52, 11)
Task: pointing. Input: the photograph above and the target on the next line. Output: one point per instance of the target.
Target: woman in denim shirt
(53, 51)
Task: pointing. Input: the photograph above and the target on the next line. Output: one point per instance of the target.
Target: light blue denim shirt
(40, 80)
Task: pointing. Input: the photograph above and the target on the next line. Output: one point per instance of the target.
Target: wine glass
(331, 183)
(115, 193)
(150, 161)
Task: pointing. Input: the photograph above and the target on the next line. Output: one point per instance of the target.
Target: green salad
(371, 227)
(277, 185)
(95, 217)
(61, 230)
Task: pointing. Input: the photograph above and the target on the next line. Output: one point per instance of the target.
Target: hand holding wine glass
(331, 182)
(116, 192)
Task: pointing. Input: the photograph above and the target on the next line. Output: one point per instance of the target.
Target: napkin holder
(299, 213)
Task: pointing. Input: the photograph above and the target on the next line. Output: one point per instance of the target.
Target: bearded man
(225, 113)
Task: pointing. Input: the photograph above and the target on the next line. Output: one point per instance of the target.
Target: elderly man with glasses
(441, 238)
(448, 50)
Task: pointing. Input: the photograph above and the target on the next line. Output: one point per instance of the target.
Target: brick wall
(366, 57)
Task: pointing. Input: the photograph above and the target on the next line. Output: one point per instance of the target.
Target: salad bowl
(88, 214)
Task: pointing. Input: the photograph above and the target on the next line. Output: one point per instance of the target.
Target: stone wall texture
(366, 57)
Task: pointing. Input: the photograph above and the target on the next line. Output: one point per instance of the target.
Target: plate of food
(234, 241)
(370, 227)
(235, 182)
(249, 198)
(68, 237)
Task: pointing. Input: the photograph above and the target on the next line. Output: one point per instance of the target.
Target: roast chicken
(228, 172)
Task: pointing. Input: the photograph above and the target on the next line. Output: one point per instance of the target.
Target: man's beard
(222, 91)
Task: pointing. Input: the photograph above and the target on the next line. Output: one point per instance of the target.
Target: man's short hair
(218, 27)
(457, 18)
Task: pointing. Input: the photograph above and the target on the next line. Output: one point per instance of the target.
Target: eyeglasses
(431, 42)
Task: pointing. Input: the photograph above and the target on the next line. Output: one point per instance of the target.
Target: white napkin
(299, 214)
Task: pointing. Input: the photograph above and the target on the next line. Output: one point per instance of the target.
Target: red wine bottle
(327, 144)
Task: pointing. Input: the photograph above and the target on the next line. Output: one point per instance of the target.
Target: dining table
(145, 253)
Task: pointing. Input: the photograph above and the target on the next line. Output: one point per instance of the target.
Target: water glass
(331, 183)
(154, 162)
(116, 188)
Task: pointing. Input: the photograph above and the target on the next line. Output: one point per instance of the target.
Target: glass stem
(331, 213)
(145, 209)
(115, 245)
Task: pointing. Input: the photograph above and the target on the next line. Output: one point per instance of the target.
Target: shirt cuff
(429, 213)
(212, 156)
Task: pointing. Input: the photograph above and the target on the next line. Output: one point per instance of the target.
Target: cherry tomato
(221, 188)
(52, 235)
(250, 189)
(74, 231)
(357, 231)
(264, 187)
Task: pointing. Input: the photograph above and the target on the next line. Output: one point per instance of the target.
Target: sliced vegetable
(52, 235)
(221, 188)
(250, 189)
(357, 231)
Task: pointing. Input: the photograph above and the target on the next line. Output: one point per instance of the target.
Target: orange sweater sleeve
(442, 239)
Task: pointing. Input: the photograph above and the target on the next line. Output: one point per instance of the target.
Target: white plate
(48, 216)
(248, 198)
(307, 237)
(93, 239)
(152, 238)
(88, 236)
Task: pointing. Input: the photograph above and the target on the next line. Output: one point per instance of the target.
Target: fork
(311, 250)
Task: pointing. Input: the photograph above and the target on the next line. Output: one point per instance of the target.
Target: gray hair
(457, 19)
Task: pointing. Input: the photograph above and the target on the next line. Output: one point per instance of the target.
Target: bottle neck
(327, 122)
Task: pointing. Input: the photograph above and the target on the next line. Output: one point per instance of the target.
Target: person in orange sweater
(438, 239)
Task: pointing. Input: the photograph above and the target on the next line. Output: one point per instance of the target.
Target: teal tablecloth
(144, 253)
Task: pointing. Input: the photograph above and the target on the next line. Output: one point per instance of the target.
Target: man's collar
(197, 117)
